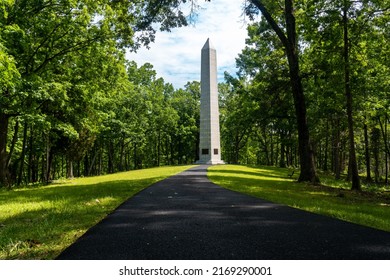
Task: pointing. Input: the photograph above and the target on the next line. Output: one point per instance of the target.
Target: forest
(312, 91)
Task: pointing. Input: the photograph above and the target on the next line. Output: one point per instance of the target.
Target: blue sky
(176, 55)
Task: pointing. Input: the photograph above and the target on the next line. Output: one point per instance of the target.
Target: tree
(9, 76)
(340, 36)
(237, 118)
(38, 35)
(348, 94)
(264, 71)
(184, 140)
(290, 43)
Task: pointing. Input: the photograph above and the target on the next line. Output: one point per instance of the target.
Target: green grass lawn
(367, 208)
(40, 222)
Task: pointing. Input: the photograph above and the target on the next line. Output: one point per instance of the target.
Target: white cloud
(176, 55)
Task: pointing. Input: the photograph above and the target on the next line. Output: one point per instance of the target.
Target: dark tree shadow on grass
(65, 212)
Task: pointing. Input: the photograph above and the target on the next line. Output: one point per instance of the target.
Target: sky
(175, 55)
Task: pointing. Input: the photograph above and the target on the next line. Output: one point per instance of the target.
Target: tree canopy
(312, 90)
(340, 62)
(62, 62)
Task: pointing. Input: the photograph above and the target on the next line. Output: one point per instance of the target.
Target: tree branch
(72, 48)
(290, 22)
(40, 46)
(271, 21)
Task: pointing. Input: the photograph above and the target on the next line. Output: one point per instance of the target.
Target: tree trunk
(33, 160)
(91, 165)
(110, 157)
(326, 151)
(352, 152)
(100, 162)
(236, 149)
(78, 168)
(282, 162)
(265, 145)
(170, 152)
(375, 137)
(3, 150)
(386, 145)
(49, 161)
(135, 156)
(367, 153)
(336, 151)
(122, 154)
(23, 154)
(13, 142)
(86, 165)
(272, 149)
(387, 153)
(69, 169)
(308, 171)
(158, 147)
(30, 157)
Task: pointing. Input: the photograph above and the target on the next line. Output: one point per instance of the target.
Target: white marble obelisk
(209, 144)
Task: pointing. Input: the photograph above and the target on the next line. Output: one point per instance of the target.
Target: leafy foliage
(66, 91)
(264, 77)
(71, 105)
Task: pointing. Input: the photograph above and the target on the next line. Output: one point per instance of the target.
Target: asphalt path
(186, 217)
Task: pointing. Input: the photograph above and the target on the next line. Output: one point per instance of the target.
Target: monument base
(210, 162)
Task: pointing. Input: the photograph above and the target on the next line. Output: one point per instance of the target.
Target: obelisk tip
(208, 45)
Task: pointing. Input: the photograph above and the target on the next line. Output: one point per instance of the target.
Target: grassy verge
(38, 223)
(271, 183)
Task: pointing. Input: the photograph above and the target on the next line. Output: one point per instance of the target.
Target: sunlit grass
(38, 223)
(331, 199)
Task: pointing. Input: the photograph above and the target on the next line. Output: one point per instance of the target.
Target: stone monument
(209, 142)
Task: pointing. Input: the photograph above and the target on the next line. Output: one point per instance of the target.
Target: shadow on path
(188, 217)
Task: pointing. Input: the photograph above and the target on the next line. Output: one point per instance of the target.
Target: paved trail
(188, 217)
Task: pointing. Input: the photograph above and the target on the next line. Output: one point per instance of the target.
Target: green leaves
(322, 58)
(65, 92)
(9, 74)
